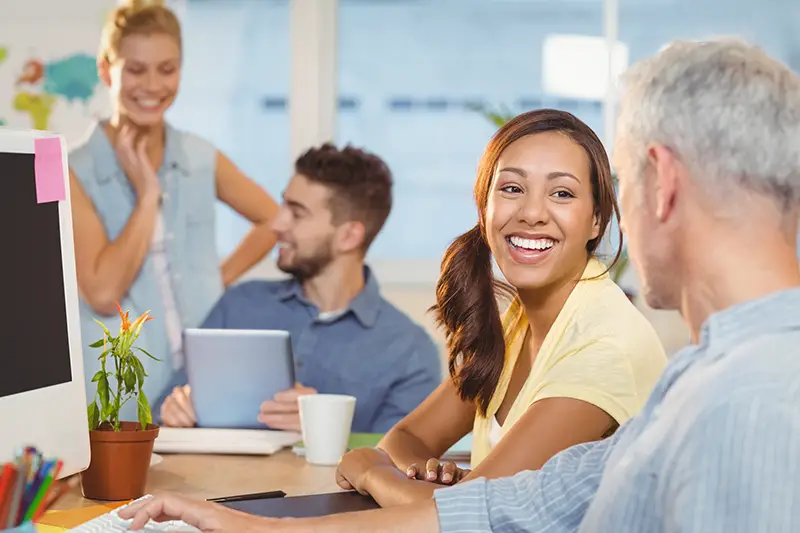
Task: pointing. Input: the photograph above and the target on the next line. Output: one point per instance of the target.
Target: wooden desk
(210, 476)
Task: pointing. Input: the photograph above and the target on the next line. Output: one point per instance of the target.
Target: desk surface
(210, 476)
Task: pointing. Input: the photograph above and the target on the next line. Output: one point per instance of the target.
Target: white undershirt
(330, 316)
(495, 432)
(172, 321)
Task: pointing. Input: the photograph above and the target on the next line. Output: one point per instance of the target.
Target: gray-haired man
(709, 162)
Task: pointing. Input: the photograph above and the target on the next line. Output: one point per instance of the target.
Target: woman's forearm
(390, 487)
(253, 248)
(405, 448)
(118, 264)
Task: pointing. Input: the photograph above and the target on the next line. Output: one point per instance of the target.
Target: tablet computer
(231, 372)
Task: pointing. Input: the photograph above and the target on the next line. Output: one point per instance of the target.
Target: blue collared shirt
(371, 351)
(716, 448)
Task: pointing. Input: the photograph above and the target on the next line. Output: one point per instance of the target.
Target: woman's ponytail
(466, 307)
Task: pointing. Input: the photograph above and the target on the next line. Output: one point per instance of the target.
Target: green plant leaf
(103, 393)
(93, 415)
(99, 374)
(130, 380)
(97, 344)
(105, 329)
(105, 353)
(496, 117)
(148, 355)
(143, 407)
(139, 369)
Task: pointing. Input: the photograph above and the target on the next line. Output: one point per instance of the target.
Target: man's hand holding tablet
(282, 412)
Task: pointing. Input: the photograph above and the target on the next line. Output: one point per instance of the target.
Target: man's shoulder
(259, 293)
(392, 320)
(766, 361)
(760, 376)
(395, 328)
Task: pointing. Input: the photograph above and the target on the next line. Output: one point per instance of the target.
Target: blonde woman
(144, 194)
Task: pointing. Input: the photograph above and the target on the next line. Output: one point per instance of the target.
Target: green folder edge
(369, 440)
(357, 440)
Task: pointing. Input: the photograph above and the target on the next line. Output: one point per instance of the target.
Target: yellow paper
(74, 517)
(44, 528)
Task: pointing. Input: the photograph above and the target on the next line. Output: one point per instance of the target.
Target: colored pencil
(39, 503)
(16, 496)
(7, 485)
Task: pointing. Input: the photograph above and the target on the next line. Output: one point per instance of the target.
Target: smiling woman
(570, 360)
(143, 196)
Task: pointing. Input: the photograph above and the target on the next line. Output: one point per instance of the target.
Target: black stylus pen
(246, 497)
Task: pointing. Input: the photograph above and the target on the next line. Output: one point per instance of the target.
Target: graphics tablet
(306, 506)
(231, 372)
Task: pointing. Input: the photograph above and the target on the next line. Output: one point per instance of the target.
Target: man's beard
(304, 268)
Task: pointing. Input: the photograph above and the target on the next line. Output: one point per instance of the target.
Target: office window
(410, 76)
(576, 66)
(647, 28)
(234, 92)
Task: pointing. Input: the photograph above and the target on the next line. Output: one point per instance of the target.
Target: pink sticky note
(49, 170)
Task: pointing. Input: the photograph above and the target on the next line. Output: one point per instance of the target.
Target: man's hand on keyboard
(205, 516)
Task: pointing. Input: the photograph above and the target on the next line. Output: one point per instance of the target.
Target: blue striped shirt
(715, 449)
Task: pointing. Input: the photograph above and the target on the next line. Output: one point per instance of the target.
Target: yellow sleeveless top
(600, 349)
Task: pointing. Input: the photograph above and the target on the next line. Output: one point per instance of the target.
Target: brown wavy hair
(360, 185)
(466, 293)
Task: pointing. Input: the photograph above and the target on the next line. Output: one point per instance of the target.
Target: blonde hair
(137, 17)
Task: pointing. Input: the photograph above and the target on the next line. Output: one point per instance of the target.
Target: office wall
(408, 72)
(408, 69)
(48, 73)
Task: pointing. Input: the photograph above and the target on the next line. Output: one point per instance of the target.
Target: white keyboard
(112, 523)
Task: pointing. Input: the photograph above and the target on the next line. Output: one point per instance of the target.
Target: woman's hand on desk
(177, 410)
(205, 516)
(283, 412)
(355, 467)
(435, 471)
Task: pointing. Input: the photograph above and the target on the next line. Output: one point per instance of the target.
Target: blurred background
(423, 83)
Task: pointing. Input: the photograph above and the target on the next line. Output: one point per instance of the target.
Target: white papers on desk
(223, 441)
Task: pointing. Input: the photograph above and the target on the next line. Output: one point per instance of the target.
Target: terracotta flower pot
(120, 462)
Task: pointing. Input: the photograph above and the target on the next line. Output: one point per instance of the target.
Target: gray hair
(729, 112)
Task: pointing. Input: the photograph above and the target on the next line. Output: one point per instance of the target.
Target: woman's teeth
(531, 244)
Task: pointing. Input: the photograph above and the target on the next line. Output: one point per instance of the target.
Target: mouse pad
(306, 506)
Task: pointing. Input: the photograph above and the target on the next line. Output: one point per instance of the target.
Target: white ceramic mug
(326, 420)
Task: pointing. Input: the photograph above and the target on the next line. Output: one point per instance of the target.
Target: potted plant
(503, 115)
(120, 450)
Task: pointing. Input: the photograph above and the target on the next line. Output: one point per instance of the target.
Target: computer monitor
(42, 394)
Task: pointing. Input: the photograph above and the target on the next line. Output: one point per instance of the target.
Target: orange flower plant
(128, 374)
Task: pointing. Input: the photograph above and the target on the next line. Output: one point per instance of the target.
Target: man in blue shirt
(346, 338)
(708, 160)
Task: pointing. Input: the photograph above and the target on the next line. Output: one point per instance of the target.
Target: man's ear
(665, 170)
(350, 236)
(104, 72)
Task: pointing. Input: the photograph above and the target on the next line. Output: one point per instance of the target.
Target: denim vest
(187, 177)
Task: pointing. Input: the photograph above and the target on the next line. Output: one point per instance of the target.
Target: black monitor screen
(34, 344)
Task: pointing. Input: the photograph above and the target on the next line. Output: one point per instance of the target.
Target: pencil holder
(27, 527)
